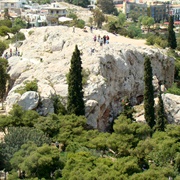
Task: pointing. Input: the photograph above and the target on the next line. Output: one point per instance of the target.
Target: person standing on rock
(94, 38)
(91, 28)
(10, 52)
(107, 39)
(101, 41)
(99, 38)
(104, 38)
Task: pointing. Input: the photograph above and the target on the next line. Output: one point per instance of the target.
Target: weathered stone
(29, 100)
(172, 107)
(12, 99)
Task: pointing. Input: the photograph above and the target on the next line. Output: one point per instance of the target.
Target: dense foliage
(78, 153)
(107, 6)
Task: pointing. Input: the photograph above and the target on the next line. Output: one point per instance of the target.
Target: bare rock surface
(115, 69)
(172, 107)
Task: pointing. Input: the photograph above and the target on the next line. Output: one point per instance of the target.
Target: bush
(29, 86)
(150, 40)
(30, 32)
(174, 89)
(2, 47)
(80, 23)
(134, 31)
(112, 27)
(123, 32)
(72, 15)
(59, 108)
(18, 37)
(164, 44)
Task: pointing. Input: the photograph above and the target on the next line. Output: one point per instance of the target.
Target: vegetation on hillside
(63, 148)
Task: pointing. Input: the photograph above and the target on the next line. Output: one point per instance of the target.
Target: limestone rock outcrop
(29, 100)
(114, 70)
(172, 107)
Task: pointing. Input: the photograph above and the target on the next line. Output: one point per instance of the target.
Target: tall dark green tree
(148, 93)
(160, 115)
(171, 34)
(3, 79)
(75, 104)
(107, 6)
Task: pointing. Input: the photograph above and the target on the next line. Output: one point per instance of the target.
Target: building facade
(175, 12)
(12, 4)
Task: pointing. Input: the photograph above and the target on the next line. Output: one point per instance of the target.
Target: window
(12, 4)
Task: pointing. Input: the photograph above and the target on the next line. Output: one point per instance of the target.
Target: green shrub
(80, 23)
(164, 44)
(123, 32)
(59, 108)
(30, 32)
(18, 37)
(29, 86)
(112, 26)
(134, 31)
(174, 89)
(150, 40)
(72, 15)
(85, 74)
(2, 47)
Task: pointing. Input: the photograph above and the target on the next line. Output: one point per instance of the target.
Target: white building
(55, 10)
(12, 4)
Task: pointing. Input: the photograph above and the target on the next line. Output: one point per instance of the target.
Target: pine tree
(148, 93)
(160, 115)
(128, 110)
(171, 34)
(75, 104)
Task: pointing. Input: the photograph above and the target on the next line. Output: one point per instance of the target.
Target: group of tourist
(101, 40)
(11, 53)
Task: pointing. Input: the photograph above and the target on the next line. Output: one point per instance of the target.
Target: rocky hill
(115, 70)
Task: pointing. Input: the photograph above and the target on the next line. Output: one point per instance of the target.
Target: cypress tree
(75, 104)
(3, 79)
(171, 34)
(148, 93)
(160, 115)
